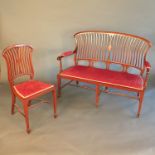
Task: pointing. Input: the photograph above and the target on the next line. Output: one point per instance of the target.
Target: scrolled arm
(62, 55)
(65, 54)
(147, 66)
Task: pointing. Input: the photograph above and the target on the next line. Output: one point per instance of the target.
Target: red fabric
(105, 76)
(30, 88)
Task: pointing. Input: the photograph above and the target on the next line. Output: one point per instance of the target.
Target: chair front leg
(54, 102)
(141, 97)
(26, 114)
(13, 103)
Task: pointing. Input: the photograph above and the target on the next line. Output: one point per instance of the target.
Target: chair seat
(30, 88)
(114, 78)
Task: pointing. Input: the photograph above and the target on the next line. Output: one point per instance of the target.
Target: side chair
(19, 64)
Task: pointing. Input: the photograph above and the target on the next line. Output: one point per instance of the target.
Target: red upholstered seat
(30, 88)
(114, 78)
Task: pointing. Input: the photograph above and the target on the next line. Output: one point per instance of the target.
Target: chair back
(19, 61)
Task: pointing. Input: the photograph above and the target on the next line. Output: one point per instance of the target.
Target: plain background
(49, 25)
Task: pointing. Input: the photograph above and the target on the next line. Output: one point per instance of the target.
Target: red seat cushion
(115, 78)
(30, 88)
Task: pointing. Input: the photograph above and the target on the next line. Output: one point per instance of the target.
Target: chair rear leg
(97, 94)
(13, 104)
(106, 89)
(77, 83)
(26, 105)
(141, 97)
(29, 104)
(54, 102)
(59, 85)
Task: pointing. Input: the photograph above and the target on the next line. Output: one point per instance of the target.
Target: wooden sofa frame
(126, 50)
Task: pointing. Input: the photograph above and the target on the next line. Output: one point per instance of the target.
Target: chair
(19, 64)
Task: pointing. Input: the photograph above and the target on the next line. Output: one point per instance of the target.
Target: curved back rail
(19, 61)
(112, 47)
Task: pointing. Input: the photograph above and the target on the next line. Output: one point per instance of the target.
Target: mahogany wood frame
(111, 39)
(26, 68)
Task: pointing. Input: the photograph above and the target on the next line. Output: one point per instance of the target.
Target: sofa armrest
(62, 55)
(65, 54)
(147, 66)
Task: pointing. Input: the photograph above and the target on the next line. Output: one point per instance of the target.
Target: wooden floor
(80, 129)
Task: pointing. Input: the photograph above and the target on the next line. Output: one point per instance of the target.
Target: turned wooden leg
(141, 97)
(59, 86)
(13, 103)
(26, 104)
(54, 102)
(97, 94)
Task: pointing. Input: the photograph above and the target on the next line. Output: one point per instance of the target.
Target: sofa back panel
(112, 47)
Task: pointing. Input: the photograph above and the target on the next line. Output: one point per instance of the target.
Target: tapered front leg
(54, 102)
(13, 103)
(26, 114)
(141, 97)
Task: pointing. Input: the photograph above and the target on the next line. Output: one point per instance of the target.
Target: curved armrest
(147, 66)
(65, 54)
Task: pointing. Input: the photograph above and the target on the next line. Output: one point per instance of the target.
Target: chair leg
(106, 89)
(13, 103)
(97, 94)
(29, 104)
(59, 86)
(54, 102)
(141, 96)
(77, 83)
(26, 105)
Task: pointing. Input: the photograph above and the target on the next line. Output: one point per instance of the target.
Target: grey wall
(49, 25)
